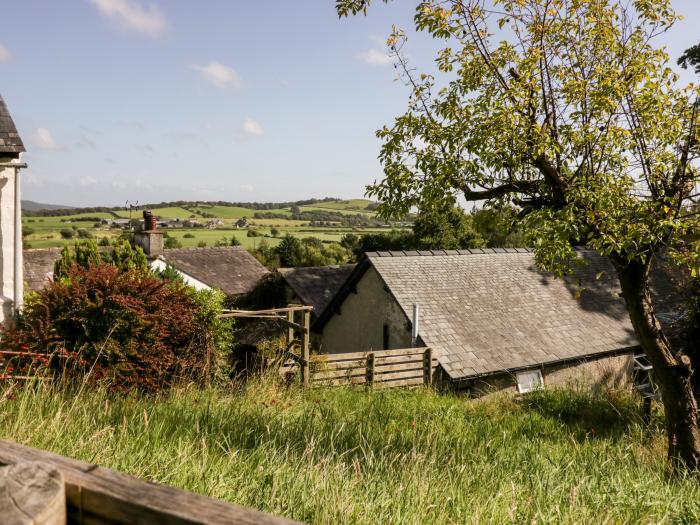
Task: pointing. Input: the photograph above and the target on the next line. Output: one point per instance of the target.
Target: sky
(235, 100)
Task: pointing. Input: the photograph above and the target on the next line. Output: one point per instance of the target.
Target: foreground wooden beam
(96, 495)
(32, 493)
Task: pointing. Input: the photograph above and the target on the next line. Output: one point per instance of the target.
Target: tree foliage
(123, 325)
(691, 57)
(565, 110)
(445, 228)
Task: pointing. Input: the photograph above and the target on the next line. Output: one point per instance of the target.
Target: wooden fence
(379, 368)
(100, 496)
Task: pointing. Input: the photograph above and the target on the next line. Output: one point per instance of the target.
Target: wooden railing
(378, 368)
(96, 495)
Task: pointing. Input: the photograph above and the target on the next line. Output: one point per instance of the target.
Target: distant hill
(36, 206)
(209, 208)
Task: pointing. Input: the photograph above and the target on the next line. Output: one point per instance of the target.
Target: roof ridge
(433, 253)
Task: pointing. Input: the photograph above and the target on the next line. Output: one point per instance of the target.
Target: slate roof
(10, 141)
(231, 269)
(316, 285)
(38, 266)
(491, 310)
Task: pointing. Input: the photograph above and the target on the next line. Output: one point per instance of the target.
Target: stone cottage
(11, 278)
(492, 318)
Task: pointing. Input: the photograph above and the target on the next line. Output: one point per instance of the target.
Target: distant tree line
(323, 217)
(180, 204)
(69, 211)
(447, 228)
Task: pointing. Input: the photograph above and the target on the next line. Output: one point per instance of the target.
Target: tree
(445, 228)
(172, 242)
(691, 56)
(274, 231)
(498, 227)
(290, 251)
(573, 117)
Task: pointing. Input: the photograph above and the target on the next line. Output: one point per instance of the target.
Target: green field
(45, 231)
(344, 456)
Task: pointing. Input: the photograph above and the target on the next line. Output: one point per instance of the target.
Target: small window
(529, 381)
(386, 337)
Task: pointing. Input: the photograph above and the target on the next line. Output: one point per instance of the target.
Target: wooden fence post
(305, 336)
(428, 366)
(369, 370)
(290, 329)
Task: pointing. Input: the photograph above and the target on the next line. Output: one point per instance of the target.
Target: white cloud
(253, 127)
(43, 139)
(376, 57)
(248, 188)
(133, 15)
(5, 55)
(219, 75)
(88, 181)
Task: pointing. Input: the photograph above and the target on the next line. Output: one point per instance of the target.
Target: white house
(11, 276)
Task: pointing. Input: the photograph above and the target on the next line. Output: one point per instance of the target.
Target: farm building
(230, 269)
(493, 320)
(314, 285)
(11, 278)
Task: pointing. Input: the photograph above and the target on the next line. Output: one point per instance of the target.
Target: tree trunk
(672, 371)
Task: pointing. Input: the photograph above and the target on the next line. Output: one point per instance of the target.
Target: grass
(386, 457)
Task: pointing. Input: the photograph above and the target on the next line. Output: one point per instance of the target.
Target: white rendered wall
(7, 238)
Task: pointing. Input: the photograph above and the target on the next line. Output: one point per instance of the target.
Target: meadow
(345, 455)
(45, 232)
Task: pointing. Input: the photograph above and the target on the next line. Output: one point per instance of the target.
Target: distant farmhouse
(491, 317)
(11, 277)
(231, 269)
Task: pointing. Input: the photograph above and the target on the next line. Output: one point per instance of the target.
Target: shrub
(202, 244)
(125, 326)
(188, 236)
(172, 242)
(84, 234)
(274, 231)
(235, 241)
(66, 233)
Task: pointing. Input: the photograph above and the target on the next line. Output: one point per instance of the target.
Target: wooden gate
(379, 368)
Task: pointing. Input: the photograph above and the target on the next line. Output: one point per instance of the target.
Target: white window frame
(529, 380)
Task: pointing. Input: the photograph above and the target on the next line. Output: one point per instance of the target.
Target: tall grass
(385, 457)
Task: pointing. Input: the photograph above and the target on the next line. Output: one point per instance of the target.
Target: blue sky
(234, 100)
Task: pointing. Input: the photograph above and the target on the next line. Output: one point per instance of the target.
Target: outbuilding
(493, 319)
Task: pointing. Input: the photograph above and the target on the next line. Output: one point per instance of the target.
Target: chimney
(414, 324)
(149, 239)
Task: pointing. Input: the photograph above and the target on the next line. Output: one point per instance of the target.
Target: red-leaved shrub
(128, 327)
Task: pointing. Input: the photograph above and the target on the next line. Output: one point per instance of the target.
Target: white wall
(7, 239)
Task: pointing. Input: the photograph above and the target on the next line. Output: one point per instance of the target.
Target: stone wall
(597, 373)
(359, 326)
